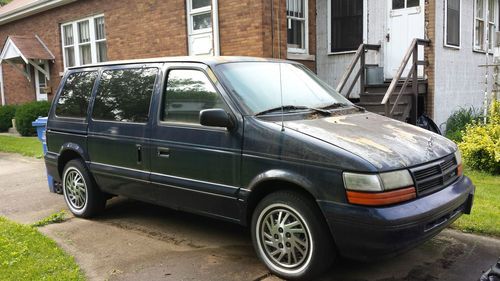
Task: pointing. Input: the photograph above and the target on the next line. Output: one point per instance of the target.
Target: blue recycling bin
(41, 124)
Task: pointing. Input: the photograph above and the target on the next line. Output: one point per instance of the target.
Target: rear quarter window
(124, 95)
(74, 99)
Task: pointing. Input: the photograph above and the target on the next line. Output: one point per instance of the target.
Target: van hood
(386, 143)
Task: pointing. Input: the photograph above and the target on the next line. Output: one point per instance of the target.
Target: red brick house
(41, 38)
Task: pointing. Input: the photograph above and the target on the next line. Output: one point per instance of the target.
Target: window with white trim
(84, 41)
(345, 25)
(485, 23)
(297, 26)
(452, 22)
(201, 28)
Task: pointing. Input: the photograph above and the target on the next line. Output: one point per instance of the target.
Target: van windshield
(257, 86)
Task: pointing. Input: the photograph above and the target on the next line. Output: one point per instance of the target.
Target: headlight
(377, 182)
(458, 157)
(379, 189)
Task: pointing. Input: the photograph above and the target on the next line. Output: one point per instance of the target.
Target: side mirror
(216, 117)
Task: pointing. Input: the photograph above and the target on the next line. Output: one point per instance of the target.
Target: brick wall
(153, 28)
(430, 30)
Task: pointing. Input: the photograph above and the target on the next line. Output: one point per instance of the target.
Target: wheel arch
(68, 152)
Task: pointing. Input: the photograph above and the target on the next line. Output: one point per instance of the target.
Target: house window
(297, 26)
(453, 23)
(202, 27)
(84, 41)
(485, 20)
(346, 25)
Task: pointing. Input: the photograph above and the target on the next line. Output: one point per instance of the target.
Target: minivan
(260, 142)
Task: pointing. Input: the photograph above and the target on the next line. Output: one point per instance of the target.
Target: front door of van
(405, 22)
(192, 166)
(119, 129)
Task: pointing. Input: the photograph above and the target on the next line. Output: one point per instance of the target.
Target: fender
(74, 147)
(282, 175)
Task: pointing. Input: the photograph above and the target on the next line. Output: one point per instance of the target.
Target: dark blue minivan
(259, 142)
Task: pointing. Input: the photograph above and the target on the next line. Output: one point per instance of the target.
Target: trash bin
(41, 124)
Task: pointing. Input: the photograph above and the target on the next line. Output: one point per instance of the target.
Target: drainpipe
(1, 85)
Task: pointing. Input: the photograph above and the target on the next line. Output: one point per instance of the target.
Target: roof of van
(208, 60)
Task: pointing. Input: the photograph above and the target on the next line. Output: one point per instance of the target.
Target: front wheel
(290, 236)
(83, 197)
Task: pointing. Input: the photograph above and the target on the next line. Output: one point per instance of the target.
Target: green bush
(29, 112)
(456, 123)
(7, 113)
(481, 143)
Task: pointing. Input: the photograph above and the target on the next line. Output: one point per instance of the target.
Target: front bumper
(365, 233)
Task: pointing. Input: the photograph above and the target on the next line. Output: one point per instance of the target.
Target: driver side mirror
(216, 117)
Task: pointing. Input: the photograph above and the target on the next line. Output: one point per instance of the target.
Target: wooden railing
(360, 75)
(412, 76)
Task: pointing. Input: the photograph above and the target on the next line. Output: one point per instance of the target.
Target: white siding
(459, 81)
(331, 67)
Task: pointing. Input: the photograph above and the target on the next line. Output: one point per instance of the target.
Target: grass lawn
(27, 146)
(25, 254)
(485, 216)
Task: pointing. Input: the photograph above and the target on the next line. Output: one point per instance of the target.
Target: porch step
(378, 107)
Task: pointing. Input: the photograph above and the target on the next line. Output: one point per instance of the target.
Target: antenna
(281, 96)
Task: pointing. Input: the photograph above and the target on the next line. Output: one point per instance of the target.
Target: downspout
(272, 28)
(1, 85)
(215, 27)
(279, 30)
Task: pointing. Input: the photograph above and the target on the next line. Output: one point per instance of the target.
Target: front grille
(435, 176)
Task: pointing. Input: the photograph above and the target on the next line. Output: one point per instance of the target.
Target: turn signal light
(381, 198)
(460, 170)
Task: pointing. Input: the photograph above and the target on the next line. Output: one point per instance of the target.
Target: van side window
(187, 93)
(124, 95)
(75, 95)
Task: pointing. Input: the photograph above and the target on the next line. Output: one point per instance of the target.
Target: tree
(4, 2)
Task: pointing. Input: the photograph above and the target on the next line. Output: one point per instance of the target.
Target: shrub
(456, 123)
(481, 143)
(7, 113)
(29, 112)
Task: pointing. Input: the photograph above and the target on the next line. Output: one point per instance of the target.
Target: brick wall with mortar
(430, 32)
(141, 29)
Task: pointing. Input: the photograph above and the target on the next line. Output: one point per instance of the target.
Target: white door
(405, 22)
(202, 27)
(40, 85)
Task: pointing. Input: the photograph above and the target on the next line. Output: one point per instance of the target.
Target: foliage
(481, 143)
(27, 146)
(4, 2)
(54, 218)
(485, 216)
(7, 113)
(25, 254)
(29, 112)
(456, 123)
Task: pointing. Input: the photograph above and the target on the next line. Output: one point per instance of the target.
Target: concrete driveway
(138, 241)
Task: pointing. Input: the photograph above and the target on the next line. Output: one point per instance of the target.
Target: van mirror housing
(216, 117)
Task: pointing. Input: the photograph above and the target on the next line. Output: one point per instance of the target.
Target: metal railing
(360, 75)
(412, 52)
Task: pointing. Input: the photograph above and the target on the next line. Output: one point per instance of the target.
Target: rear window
(124, 95)
(75, 95)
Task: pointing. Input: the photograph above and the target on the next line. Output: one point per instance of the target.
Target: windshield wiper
(294, 107)
(335, 105)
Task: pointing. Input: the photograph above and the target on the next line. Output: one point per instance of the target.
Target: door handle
(139, 153)
(163, 152)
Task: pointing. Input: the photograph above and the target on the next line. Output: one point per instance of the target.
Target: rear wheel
(290, 236)
(83, 197)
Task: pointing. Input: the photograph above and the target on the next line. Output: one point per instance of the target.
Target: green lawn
(27, 146)
(25, 254)
(485, 216)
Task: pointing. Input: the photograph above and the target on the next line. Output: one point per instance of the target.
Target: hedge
(7, 113)
(29, 112)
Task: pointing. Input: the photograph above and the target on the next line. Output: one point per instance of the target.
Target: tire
(82, 196)
(301, 251)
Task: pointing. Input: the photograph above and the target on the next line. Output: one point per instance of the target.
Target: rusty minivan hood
(386, 143)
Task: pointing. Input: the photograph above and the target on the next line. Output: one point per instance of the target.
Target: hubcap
(75, 189)
(284, 237)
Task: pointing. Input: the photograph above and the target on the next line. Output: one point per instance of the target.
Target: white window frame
(76, 45)
(213, 9)
(486, 23)
(329, 28)
(305, 19)
(193, 12)
(445, 39)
